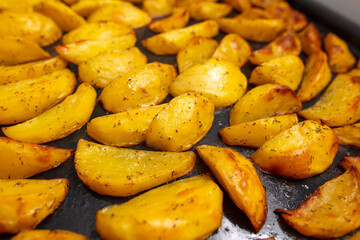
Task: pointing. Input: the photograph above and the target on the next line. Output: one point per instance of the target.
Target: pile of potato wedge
(73, 74)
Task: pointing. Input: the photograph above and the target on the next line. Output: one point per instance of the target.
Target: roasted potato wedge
(301, 151)
(23, 160)
(197, 50)
(186, 3)
(331, 211)
(16, 4)
(192, 209)
(256, 133)
(124, 172)
(254, 13)
(59, 121)
(208, 10)
(48, 234)
(310, 39)
(24, 203)
(265, 3)
(349, 135)
(220, 81)
(183, 122)
(350, 162)
(144, 86)
(265, 101)
(317, 76)
(240, 180)
(10, 74)
(356, 236)
(172, 42)
(354, 72)
(286, 70)
(340, 57)
(21, 101)
(158, 8)
(86, 7)
(233, 48)
(339, 105)
(287, 44)
(179, 19)
(100, 70)
(240, 5)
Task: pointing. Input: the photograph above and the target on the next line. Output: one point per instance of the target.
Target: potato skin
(349, 135)
(179, 19)
(310, 39)
(158, 8)
(186, 3)
(48, 234)
(350, 162)
(208, 10)
(265, 3)
(240, 5)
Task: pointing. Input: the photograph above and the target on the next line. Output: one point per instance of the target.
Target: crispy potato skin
(256, 133)
(183, 122)
(349, 135)
(240, 5)
(59, 121)
(303, 150)
(265, 101)
(350, 162)
(158, 8)
(48, 234)
(197, 214)
(240, 180)
(265, 3)
(317, 76)
(179, 19)
(331, 211)
(339, 105)
(340, 57)
(208, 10)
(286, 70)
(310, 39)
(23, 100)
(21, 198)
(220, 81)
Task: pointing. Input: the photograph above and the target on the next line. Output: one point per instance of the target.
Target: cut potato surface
(350, 162)
(179, 19)
(48, 234)
(158, 8)
(208, 10)
(349, 135)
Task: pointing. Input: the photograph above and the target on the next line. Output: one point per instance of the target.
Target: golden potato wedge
(24, 203)
(158, 8)
(21, 101)
(59, 121)
(144, 86)
(183, 122)
(23, 160)
(240, 5)
(256, 133)
(349, 135)
(197, 50)
(123, 129)
(310, 39)
(81, 51)
(301, 151)
(186, 3)
(100, 70)
(317, 76)
(356, 236)
(286, 70)
(10, 74)
(17, 4)
(354, 72)
(254, 13)
(240, 180)
(297, 20)
(265, 101)
(16, 50)
(287, 44)
(331, 211)
(220, 81)
(179, 19)
(86, 7)
(172, 42)
(192, 209)
(125, 172)
(208, 10)
(339, 105)
(48, 234)
(265, 3)
(340, 57)
(350, 162)
(70, 2)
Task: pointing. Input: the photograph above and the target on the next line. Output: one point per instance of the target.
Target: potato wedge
(59, 121)
(233, 48)
(179, 19)
(16, 50)
(301, 151)
(100, 70)
(240, 180)
(350, 162)
(192, 209)
(24, 203)
(48, 234)
(331, 211)
(317, 76)
(21, 101)
(354, 72)
(220, 81)
(183, 122)
(208, 10)
(286, 70)
(265, 3)
(256, 133)
(197, 50)
(349, 135)
(265, 101)
(123, 129)
(10, 74)
(310, 39)
(339, 105)
(17, 4)
(186, 3)
(287, 44)
(86, 7)
(355, 236)
(172, 42)
(254, 13)
(144, 86)
(23, 160)
(340, 57)
(125, 172)
(240, 5)
(158, 8)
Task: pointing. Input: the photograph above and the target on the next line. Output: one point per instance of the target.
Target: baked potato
(349, 135)
(48, 234)
(310, 39)
(179, 19)
(158, 8)
(350, 162)
(208, 10)
(240, 5)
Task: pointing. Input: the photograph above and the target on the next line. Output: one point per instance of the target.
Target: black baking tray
(77, 212)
